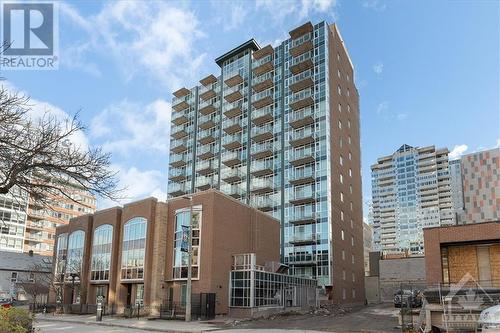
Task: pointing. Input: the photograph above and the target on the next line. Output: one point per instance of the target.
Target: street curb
(149, 329)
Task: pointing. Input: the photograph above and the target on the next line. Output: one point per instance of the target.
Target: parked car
(407, 297)
(489, 320)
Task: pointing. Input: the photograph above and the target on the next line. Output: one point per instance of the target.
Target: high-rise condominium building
(457, 193)
(29, 224)
(410, 191)
(481, 186)
(278, 129)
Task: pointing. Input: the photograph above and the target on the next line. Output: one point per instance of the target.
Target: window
(353, 277)
(13, 277)
(76, 241)
(341, 179)
(348, 108)
(352, 224)
(139, 295)
(343, 255)
(341, 197)
(350, 172)
(352, 244)
(352, 258)
(348, 124)
(338, 56)
(353, 293)
(181, 257)
(342, 235)
(339, 90)
(343, 274)
(342, 215)
(348, 78)
(350, 156)
(350, 189)
(62, 252)
(340, 107)
(348, 92)
(134, 248)
(343, 293)
(341, 160)
(31, 277)
(351, 205)
(349, 139)
(340, 124)
(338, 73)
(101, 252)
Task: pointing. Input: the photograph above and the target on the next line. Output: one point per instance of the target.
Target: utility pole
(190, 256)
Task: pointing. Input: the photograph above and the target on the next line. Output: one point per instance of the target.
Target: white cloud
(402, 116)
(378, 68)
(39, 109)
(297, 10)
(457, 151)
(498, 144)
(382, 107)
(236, 18)
(137, 184)
(140, 127)
(376, 5)
(157, 40)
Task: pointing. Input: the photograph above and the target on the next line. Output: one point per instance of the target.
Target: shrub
(13, 320)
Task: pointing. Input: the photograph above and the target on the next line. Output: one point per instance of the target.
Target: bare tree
(37, 281)
(37, 156)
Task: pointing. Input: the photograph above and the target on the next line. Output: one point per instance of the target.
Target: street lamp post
(190, 256)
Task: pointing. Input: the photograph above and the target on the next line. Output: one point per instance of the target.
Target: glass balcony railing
(302, 176)
(208, 107)
(207, 136)
(303, 215)
(264, 149)
(181, 131)
(301, 117)
(236, 190)
(302, 155)
(303, 238)
(180, 103)
(302, 136)
(302, 195)
(203, 182)
(231, 176)
(261, 168)
(206, 151)
(264, 203)
(302, 81)
(262, 185)
(302, 63)
(178, 145)
(301, 40)
(233, 125)
(262, 133)
(232, 158)
(301, 45)
(234, 109)
(177, 160)
(233, 141)
(233, 78)
(177, 174)
(301, 95)
(263, 115)
(301, 259)
(177, 188)
(262, 78)
(180, 117)
(206, 167)
(263, 98)
(263, 65)
(233, 94)
(207, 121)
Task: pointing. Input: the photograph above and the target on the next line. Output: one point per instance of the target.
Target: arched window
(76, 242)
(134, 248)
(62, 252)
(101, 253)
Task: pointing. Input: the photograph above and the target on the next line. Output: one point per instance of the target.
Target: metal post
(190, 256)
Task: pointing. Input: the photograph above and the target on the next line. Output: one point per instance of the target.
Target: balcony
(206, 136)
(301, 118)
(302, 43)
(233, 110)
(233, 125)
(302, 196)
(233, 141)
(205, 152)
(35, 226)
(306, 28)
(179, 132)
(207, 107)
(205, 167)
(180, 118)
(262, 185)
(232, 95)
(303, 239)
(262, 116)
(207, 93)
(178, 146)
(179, 104)
(301, 137)
(261, 168)
(263, 150)
(233, 176)
(302, 259)
(263, 98)
(181, 92)
(232, 158)
(262, 133)
(177, 189)
(207, 121)
(301, 99)
(178, 160)
(210, 79)
(302, 81)
(301, 156)
(177, 175)
(236, 191)
(264, 203)
(302, 63)
(233, 79)
(263, 65)
(303, 218)
(203, 183)
(302, 176)
(263, 82)
(265, 51)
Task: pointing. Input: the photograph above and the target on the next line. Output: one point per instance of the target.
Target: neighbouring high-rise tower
(278, 129)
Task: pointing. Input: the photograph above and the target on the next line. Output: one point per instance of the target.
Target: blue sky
(427, 71)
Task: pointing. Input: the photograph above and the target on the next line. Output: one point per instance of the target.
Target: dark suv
(407, 298)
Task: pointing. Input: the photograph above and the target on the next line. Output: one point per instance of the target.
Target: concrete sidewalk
(153, 325)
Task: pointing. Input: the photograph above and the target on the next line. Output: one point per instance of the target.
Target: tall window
(134, 248)
(62, 252)
(180, 257)
(76, 242)
(101, 252)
